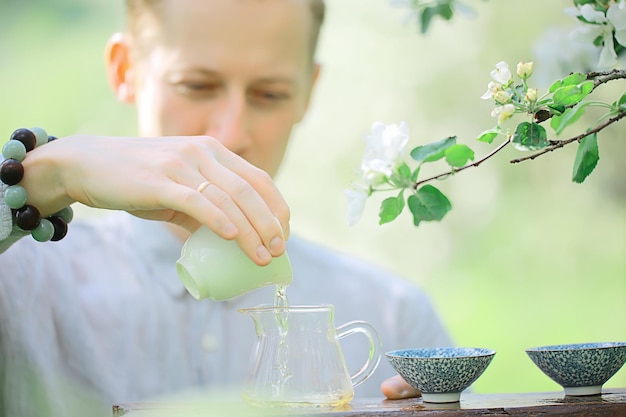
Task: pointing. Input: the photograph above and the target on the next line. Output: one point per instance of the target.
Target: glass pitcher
(297, 360)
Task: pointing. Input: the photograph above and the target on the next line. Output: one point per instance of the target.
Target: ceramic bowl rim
(478, 353)
(574, 347)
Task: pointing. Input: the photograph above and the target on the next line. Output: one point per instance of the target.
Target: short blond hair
(135, 9)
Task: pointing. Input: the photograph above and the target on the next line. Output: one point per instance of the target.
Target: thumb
(396, 388)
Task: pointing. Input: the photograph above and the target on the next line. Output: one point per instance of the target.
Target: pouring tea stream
(297, 359)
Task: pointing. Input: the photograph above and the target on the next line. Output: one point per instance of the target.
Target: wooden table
(611, 403)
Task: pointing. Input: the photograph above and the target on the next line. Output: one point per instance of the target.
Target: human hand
(158, 179)
(396, 388)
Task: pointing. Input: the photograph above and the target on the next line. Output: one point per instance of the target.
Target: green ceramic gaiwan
(216, 268)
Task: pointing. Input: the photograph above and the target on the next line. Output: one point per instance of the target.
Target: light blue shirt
(101, 317)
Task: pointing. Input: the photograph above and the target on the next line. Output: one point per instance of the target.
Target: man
(101, 317)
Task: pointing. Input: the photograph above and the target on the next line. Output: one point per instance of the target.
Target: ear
(119, 67)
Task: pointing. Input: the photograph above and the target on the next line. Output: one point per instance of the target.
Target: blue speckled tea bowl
(582, 368)
(440, 373)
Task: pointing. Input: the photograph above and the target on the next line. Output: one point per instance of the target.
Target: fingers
(233, 198)
(182, 199)
(182, 180)
(254, 236)
(396, 388)
(253, 203)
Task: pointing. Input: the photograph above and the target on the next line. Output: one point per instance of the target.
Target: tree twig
(601, 78)
(606, 76)
(561, 143)
(475, 164)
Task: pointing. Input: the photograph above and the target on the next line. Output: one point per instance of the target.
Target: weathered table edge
(612, 402)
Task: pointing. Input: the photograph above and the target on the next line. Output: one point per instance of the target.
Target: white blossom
(604, 26)
(502, 74)
(503, 113)
(492, 90)
(384, 151)
(502, 97)
(356, 197)
(616, 15)
(592, 15)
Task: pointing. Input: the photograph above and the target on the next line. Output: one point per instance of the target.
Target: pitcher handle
(375, 348)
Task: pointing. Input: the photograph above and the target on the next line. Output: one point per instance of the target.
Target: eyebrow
(264, 80)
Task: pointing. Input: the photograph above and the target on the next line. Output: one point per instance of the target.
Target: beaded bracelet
(25, 216)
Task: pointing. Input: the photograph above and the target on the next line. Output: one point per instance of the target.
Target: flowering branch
(560, 143)
(602, 78)
(455, 170)
(383, 167)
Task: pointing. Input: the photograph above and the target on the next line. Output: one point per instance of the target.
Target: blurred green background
(525, 258)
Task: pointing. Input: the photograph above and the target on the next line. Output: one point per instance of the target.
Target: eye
(197, 89)
(268, 96)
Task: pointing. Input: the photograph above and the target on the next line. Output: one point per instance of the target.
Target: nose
(229, 122)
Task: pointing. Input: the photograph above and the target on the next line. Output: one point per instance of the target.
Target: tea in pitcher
(298, 359)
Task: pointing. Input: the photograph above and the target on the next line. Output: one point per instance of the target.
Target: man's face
(237, 70)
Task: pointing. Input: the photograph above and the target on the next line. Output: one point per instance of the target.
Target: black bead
(11, 171)
(60, 227)
(27, 218)
(27, 137)
(51, 138)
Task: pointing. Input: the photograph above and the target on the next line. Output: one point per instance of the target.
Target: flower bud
(524, 69)
(531, 95)
(502, 97)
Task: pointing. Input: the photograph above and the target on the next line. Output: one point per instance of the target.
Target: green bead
(66, 214)
(40, 134)
(44, 231)
(14, 149)
(15, 196)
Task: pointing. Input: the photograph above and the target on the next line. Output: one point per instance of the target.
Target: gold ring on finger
(203, 186)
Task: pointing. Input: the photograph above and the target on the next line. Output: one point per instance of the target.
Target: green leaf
(488, 136)
(458, 155)
(557, 109)
(391, 208)
(404, 172)
(621, 103)
(428, 204)
(445, 11)
(599, 40)
(433, 151)
(586, 158)
(425, 17)
(572, 79)
(427, 14)
(530, 136)
(415, 174)
(572, 94)
(569, 117)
